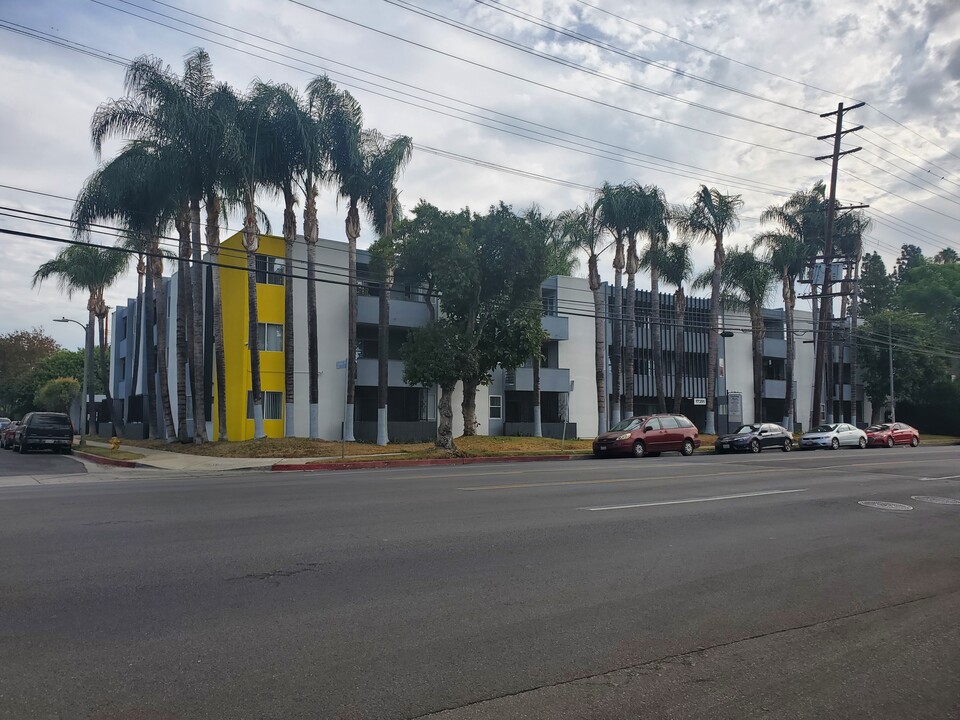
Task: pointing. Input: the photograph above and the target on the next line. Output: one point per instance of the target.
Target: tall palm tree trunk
(680, 305)
(656, 333)
(150, 371)
(196, 354)
(630, 341)
(713, 339)
(537, 417)
(789, 303)
(599, 342)
(353, 232)
(88, 363)
(383, 358)
(137, 335)
(251, 242)
(311, 234)
(102, 312)
(289, 238)
(617, 353)
(169, 432)
(184, 311)
(219, 359)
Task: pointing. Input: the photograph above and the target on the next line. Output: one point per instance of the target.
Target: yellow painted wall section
(270, 309)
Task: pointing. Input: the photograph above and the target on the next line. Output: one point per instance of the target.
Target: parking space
(38, 463)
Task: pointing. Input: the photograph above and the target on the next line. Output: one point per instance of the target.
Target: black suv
(44, 431)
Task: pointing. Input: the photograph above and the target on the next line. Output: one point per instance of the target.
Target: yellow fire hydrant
(114, 443)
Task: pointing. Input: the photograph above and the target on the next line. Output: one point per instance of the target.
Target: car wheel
(23, 448)
(862, 443)
(754, 446)
(787, 445)
(67, 450)
(638, 449)
(835, 444)
(687, 449)
(890, 441)
(914, 441)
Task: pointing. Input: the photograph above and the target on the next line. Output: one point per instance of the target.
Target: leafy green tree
(911, 256)
(56, 395)
(20, 352)
(877, 288)
(947, 256)
(676, 268)
(710, 217)
(934, 290)
(21, 389)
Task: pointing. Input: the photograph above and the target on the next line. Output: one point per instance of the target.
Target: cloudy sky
(525, 101)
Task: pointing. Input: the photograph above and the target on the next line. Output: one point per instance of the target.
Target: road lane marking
(559, 483)
(694, 500)
(935, 500)
(948, 477)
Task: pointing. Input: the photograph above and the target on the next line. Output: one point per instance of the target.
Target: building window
(123, 369)
(269, 270)
(272, 405)
(269, 337)
(496, 407)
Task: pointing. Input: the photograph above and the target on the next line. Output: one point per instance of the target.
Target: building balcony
(403, 313)
(774, 348)
(775, 389)
(551, 380)
(367, 373)
(556, 327)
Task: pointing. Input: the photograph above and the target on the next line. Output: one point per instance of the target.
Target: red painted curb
(100, 460)
(374, 464)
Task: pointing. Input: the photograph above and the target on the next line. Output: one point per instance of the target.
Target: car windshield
(825, 428)
(878, 428)
(628, 424)
(50, 421)
(747, 429)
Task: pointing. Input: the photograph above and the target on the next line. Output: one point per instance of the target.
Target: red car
(649, 435)
(8, 433)
(890, 434)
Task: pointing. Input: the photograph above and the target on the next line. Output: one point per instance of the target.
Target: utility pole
(893, 400)
(824, 328)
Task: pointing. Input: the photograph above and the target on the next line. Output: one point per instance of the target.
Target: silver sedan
(833, 436)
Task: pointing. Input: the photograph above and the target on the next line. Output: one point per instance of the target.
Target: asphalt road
(37, 463)
(703, 587)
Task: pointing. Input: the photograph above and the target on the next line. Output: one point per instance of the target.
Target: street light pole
(86, 379)
(893, 400)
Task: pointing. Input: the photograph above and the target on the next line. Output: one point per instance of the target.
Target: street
(733, 586)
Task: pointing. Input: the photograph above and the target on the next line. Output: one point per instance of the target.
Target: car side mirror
(648, 428)
(762, 432)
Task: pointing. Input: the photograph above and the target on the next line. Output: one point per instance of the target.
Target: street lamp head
(726, 333)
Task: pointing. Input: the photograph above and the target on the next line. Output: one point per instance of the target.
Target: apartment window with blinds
(269, 270)
(272, 405)
(269, 337)
(496, 407)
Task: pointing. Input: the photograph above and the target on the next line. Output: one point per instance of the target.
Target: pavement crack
(274, 576)
(599, 678)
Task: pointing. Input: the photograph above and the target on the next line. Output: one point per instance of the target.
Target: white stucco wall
(577, 353)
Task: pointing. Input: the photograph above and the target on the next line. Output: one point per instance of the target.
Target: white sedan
(834, 437)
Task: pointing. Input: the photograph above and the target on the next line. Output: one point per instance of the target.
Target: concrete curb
(375, 464)
(100, 460)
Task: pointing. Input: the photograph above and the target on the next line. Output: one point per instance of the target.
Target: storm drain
(883, 505)
(935, 500)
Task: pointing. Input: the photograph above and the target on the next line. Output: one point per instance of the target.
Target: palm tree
(388, 157)
(333, 153)
(91, 269)
(746, 285)
(710, 216)
(797, 239)
(182, 116)
(676, 268)
(138, 190)
(583, 228)
(611, 209)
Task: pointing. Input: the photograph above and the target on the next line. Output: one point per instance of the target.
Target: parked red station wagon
(890, 434)
(649, 435)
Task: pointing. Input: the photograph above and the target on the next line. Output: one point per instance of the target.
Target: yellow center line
(560, 483)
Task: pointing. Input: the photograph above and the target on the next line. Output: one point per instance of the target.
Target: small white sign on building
(699, 401)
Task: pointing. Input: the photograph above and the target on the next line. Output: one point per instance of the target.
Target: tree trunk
(289, 238)
(104, 370)
(756, 321)
(150, 379)
(599, 343)
(169, 432)
(537, 418)
(137, 335)
(469, 407)
(184, 312)
(617, 352)
(445, 418)
(680, 305)
(88, 364)
(251, 242)
(630, 346)
(220, 363)
(353, 232)
(713, 339)
(196, 355)
(789, 303)
(311, 232)
(383, 359)
(656, 333)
